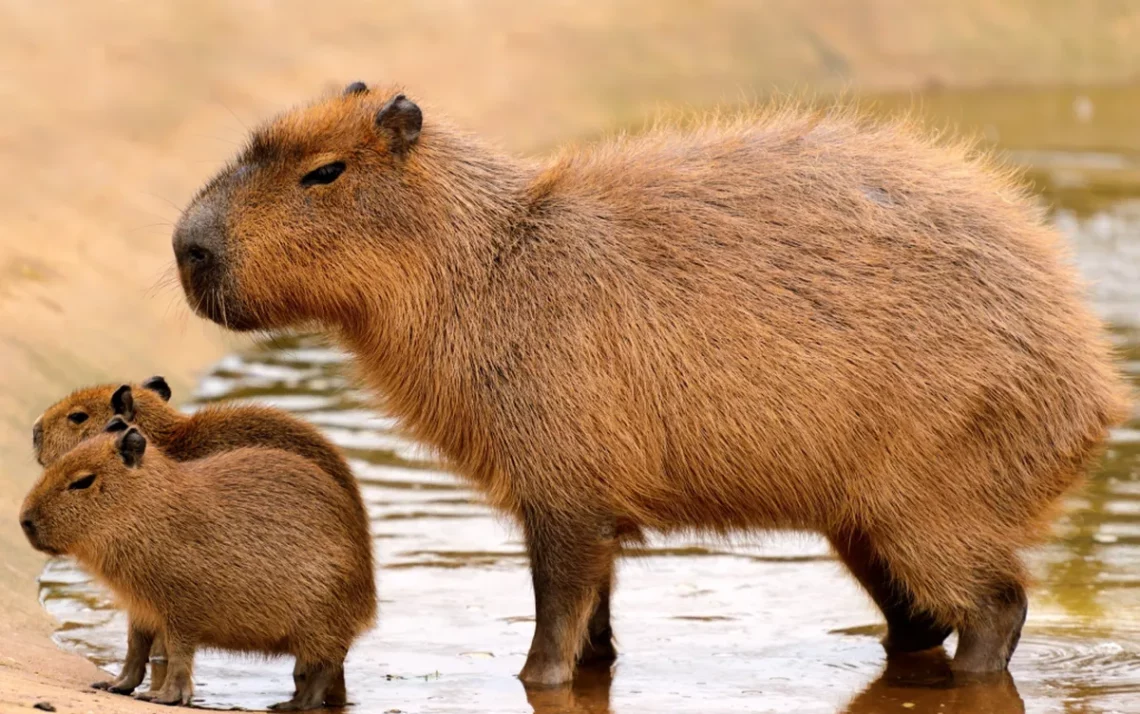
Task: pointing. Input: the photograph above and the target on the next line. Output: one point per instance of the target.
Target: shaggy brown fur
(211, 430)
(793, 320)
(246, 550)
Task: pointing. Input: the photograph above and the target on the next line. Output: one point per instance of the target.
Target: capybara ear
(132, 444)
(158, 385)
(355, 88)
(116, 424)
(123, 402)
(402, 120)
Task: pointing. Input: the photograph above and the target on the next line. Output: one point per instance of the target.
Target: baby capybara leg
(314, 681)
(178, 688)
(989, 634)
(909, 629)
(134, 669)
(570, 558)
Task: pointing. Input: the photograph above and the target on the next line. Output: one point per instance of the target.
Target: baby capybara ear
(123, 402)
(116, 424)
(132, 444)
(158, 385)
(355, 88)
(402, 120)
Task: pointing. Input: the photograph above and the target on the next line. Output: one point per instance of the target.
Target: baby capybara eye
(325, 174)
(77, 418)
(82, 483)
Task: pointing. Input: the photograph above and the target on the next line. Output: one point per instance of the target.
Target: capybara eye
(325, 174)
(82, 483)
(77, 417)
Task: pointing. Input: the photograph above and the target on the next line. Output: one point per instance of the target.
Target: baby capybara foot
(988, 639)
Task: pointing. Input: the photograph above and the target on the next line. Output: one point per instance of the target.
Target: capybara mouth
(218, 304)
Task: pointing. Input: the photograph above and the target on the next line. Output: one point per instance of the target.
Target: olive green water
(767, 625)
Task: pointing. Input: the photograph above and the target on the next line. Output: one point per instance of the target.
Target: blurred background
(114, 113)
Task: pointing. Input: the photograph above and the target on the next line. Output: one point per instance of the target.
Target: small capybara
(792, 320)
(245, 550)
(212, 429)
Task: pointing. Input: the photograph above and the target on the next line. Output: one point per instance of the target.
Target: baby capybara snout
(187, 563)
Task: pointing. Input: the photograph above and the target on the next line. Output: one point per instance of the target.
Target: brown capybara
(245, 550)
(793, 320)
(212, 429)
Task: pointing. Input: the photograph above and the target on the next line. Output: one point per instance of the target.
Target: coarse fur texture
(245, 550)
(790, 320)
(213, 429)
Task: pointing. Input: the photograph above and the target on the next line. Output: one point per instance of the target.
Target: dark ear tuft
(115, 425)
(132, 444)
(402, 119)
(158, 385)
(123, 402)
(356, 88)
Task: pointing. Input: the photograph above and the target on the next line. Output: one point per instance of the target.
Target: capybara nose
(197, 240)
(29, 527)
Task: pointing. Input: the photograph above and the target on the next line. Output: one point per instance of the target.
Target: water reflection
(766, 625)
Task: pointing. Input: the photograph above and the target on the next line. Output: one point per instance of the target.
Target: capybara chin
(212, 429)
(791, 320)
(246, 550)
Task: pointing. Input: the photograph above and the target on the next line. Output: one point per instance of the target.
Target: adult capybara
(793, 320)
(212, 429)
(246, 550)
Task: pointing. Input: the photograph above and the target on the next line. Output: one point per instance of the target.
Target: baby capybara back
(794, 320)
(246, 550)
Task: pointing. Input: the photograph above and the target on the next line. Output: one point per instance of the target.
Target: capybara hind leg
(337, 695)
(318, 678)
(569, 561)
(989, 635)
(179, 685)
(599, 649)
(909, 629)
(134, 669)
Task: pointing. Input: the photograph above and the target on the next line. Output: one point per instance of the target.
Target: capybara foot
(987, 641)
(116, 686)
(599, 650)
(915, 634)
(170, 695)
(314, 683)
(542, 672)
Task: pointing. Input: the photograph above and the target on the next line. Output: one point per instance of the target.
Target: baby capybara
(793, 320)
(212, 429)
(246, 550)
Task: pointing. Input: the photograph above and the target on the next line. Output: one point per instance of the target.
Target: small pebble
(44, 706)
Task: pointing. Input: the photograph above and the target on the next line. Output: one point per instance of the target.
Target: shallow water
(769, 625)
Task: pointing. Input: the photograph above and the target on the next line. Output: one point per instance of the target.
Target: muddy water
(768, 625)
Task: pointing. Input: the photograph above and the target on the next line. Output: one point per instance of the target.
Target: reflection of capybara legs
(908, 629)
(571, 563)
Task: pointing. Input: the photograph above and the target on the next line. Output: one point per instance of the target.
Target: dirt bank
(112, 117)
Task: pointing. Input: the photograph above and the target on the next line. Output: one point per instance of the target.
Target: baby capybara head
(83, 493)
(85, 412)
(316, 195)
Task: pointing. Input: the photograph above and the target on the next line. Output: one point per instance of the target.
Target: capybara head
(83, 492)
(85, 412)
(317, 194)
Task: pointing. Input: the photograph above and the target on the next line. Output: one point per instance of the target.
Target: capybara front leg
(134, 669)
(909, 629)
(989, 635)
(158, 662)
(569, 560)
(599, 649)
(313, 686)
(178, 689)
